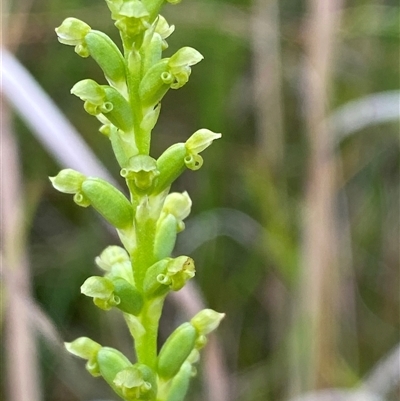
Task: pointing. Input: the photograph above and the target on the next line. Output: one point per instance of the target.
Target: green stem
(134, 75)
(143, 256)
(163, 389)
(146, 345)
(142, 137)
(142, 143)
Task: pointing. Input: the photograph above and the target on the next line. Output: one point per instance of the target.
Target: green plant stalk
(142, 143)
(146, 345)
(138, 278)
(143, 256)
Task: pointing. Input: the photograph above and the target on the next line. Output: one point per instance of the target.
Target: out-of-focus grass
(258, 286)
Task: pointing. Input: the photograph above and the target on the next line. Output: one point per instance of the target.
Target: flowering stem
(137, 278)
(146, 345)
(143, 256)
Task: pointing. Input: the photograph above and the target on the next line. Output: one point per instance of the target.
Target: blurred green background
(249, 199)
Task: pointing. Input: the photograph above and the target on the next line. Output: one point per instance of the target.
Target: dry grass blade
(319, 291)
(48, 124)
(267, 82)
(21, 352)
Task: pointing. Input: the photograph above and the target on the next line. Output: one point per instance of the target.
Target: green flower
(101, 289)
(68, 181)
(168, 73)
(131, 16)
(72, 32)
(178, 272)
(198, 142)
(103, 99)
(168, 274)
(85, 348)
(108, 292)
(137, 382)
(179, 65)
(141, 171)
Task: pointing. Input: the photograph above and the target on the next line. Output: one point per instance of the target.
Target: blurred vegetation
(257, 284)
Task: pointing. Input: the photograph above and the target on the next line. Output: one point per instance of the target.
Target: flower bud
(176, 350)
(111, 362)
(165, 239)
(141, 171)
(115, 261)
(137, 382)
(109, 202)
(68, 181)
(112, 255)
(85, 348)
(207, 321)
(179, 205)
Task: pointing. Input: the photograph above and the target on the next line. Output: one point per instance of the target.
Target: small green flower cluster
(137, 278)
